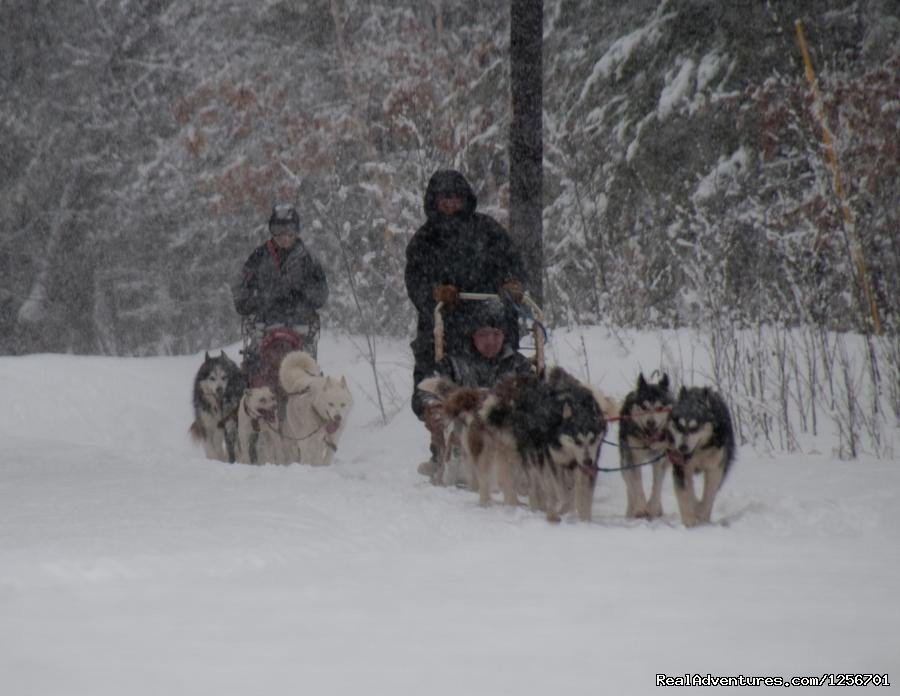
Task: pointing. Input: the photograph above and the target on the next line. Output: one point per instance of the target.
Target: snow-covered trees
(143, 143)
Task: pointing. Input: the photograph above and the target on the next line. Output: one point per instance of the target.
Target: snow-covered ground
(131, 565)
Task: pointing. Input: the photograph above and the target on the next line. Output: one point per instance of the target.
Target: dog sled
(290, 411)
(264, 346)
(452, 467)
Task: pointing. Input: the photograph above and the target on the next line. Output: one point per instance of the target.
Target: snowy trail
(130, 564)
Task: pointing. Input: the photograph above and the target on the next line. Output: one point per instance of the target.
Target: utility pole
(526, 144)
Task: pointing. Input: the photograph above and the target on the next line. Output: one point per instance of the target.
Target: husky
(460, 408)
(316, 410)
(546, 433)
(702, 442)
(573, 446)
(259, 435)
(643, 436)
(218, 387)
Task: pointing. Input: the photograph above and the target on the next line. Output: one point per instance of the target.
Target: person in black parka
(456, 250)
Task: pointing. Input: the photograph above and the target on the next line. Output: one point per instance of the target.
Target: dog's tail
(297, 370)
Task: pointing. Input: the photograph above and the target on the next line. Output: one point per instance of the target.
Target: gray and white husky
(702, 443)
(643, 437)
(573, 446)
(218, 387)
(557, 426)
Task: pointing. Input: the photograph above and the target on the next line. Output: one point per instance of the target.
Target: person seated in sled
(279, 293)
(481, 360)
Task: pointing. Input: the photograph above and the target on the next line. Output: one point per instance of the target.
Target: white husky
(258, 437)
(316, 411)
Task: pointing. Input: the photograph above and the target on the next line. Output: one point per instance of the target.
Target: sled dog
(702, 442)
(548, 431)
(573, 446)
(218, 386)
(316, 410)
(460, 407)
(259, 438)
(643, 436)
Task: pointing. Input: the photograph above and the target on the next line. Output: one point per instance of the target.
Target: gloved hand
(447, 294)
(515, 290)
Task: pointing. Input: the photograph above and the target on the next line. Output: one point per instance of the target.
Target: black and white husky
(546, 432)
(573, 446)
(643, 437)
(702, 442)
(557, 426)
(218, 388)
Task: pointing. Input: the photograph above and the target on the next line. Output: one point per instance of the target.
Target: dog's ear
(664, 382)
(206, 356)
(641, 383)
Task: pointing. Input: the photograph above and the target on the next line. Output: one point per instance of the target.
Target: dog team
(535, 436)
(298, 420)
(541, 437)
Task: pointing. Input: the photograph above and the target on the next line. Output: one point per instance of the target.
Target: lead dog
(316, 410)
(643, 437)
(259, 436)
(218, 386)
(702, 443)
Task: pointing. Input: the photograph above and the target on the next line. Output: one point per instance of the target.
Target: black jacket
(279, 286)
(469, 250)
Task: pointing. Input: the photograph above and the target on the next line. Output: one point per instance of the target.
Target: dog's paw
(639, 513)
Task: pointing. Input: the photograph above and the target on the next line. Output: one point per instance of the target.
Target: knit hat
(284, 215)
(490, 312)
